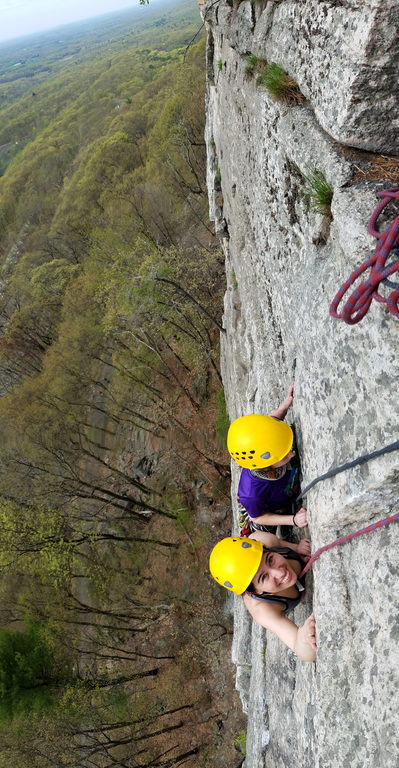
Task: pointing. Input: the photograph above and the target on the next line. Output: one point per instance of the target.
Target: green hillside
(27, 62)
(110, 314)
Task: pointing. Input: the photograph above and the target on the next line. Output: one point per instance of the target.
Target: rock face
(284, 263)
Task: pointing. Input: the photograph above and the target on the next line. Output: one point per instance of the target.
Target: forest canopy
(110, 315)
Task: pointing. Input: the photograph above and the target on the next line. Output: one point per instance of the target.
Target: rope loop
(359, 301)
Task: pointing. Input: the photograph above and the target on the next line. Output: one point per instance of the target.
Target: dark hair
(251, 588)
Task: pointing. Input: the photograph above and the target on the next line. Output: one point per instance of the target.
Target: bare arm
(281, 412)
(301, 640)
(274, 518)
(270, 540)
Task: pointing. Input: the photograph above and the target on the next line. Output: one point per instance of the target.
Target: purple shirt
(258, 495)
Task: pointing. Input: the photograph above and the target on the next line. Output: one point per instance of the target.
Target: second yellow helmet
(234, 562)
(257, 441)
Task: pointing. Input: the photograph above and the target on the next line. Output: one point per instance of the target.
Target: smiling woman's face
(274, 574)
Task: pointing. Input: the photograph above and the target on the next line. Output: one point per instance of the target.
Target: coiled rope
(344, 539)
(359, 302)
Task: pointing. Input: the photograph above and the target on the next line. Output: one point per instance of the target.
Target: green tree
(28, 671)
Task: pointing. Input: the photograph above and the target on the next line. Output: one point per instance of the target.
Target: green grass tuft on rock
(318, 192)
(279, 84)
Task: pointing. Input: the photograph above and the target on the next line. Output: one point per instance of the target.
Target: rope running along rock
(344, 539)
(335, 471)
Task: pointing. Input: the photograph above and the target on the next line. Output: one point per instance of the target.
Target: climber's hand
(309, 629)
(303, 549)
(301, 518)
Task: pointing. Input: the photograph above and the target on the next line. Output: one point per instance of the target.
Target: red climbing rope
(359, 302)
(349, 537)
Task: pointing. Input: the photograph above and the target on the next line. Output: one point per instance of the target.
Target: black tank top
(289, 603)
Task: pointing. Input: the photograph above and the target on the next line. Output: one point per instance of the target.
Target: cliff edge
(286, 257)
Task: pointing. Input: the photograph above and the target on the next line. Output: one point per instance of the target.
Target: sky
(24, 17)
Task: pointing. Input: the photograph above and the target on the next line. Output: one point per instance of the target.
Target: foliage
(234, 280)
(222, 419)
(240, 742)
(110, 316)
(28, 671)
(254, 64)
(34, 540)
(318, 192)
(184, 517)
(279, 84)
(44, 55)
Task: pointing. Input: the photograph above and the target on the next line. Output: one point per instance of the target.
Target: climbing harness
(359, 302)
(349, 537)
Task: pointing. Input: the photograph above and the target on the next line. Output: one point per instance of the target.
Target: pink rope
(349, 537)
(359, 301)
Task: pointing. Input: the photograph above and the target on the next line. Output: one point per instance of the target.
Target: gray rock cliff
(285, 262)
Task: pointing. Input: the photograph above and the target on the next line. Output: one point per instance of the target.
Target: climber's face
(274, 574)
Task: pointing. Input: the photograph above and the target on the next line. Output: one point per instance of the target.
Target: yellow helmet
(234, 561)
(257, 441)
